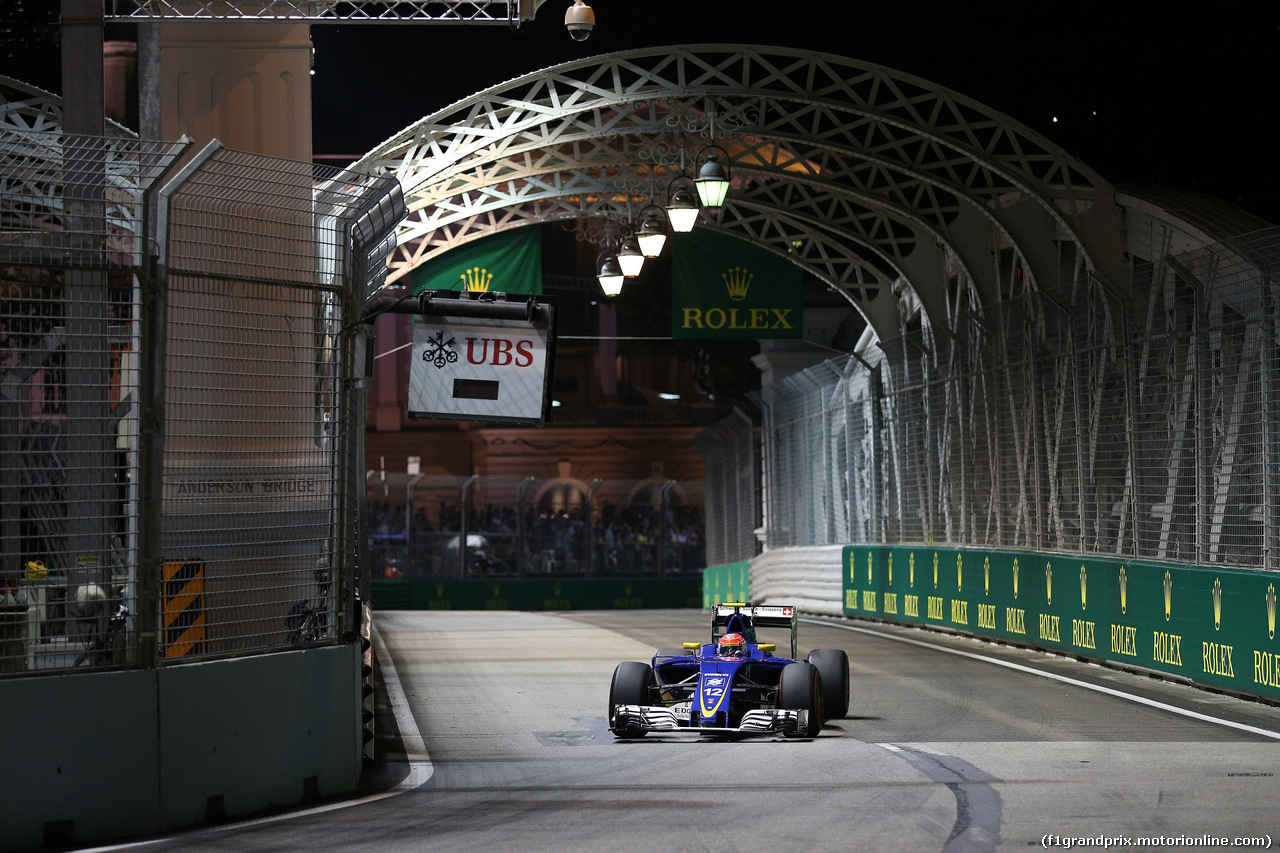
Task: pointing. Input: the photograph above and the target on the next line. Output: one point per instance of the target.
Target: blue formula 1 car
(733, 685)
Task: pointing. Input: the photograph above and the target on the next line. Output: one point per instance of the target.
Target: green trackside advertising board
(1216, 627)
(728, 582)
(723, 287)
(510, 262)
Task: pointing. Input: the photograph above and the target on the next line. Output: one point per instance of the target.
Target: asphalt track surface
(494, 738)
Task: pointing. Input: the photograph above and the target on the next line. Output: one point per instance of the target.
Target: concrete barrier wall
(91, 757)
(808, 577)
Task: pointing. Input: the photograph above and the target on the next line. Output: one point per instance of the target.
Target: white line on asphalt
(420, 771)
(1075, 682)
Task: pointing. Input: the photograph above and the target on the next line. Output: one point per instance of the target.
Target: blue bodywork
(725, 687)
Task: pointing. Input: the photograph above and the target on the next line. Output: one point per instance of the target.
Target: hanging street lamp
(652, 236)
(609, 273)
(629, 257)
(713, 177)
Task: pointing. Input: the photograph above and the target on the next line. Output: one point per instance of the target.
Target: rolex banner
(510, 262)
(723, 287)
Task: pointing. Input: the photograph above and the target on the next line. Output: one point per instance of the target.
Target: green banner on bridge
(723, 287)
(510, 262)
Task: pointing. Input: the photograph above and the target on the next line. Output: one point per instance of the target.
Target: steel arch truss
(893, 184)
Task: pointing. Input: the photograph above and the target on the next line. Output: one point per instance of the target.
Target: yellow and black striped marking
(183, 608)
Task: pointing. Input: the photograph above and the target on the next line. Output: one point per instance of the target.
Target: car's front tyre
(833, 666)
(631, 686)
(800, 689)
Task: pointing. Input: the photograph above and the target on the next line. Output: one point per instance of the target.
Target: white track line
(1075, 682)
(420, 771)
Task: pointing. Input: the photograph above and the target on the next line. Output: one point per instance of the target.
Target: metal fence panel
(443, 527)
(1131, 416)
(176, 403)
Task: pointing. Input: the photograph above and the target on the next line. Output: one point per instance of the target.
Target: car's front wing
(658, 718)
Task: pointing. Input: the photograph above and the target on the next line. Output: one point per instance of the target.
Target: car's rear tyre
(630, 686)
(800, 689)
(833, 666)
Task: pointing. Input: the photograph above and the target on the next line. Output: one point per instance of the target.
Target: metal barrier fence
(180, 463)
(731, 463)
(426, 526)
(1132, 415)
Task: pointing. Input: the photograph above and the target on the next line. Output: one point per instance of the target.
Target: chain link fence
(435, 526)
(180, 472)
(1131, 415)
(731, 462)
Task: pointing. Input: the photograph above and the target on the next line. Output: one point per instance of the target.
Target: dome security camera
(580, 20)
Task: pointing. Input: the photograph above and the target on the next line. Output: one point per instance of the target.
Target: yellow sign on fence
(182, 608)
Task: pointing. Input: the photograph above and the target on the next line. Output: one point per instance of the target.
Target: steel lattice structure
(891, 185)
(326, 11)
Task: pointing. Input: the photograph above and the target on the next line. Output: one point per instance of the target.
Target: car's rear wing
(758, 616)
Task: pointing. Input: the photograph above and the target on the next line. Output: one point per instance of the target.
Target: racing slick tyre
(833, 666)
(631, 683)
(800, 689)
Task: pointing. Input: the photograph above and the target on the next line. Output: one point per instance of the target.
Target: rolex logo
(868, 567)
(1271, 611)
(1217, 604)
(912, 567)
(736, 281)
(1124, 591)
(1015, 577)
(853, 567)
(1048, 583)
(1084, 587)
(935, 569)
(1168, 596)
(477, 279)
(986, 575)
(959, 575)
(890, 568)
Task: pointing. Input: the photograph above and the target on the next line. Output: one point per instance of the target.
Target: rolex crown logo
(477, 279)
(868, 567)
(1048, 583)
(1084, 587)
(959, 571)
(911, 566)
(1015, 577)
(1217, 604)
(736, 281)
(1168, 596)
(935, 569)
(1271, 611)
(986, 575)
(890, 568)
(1124, 591)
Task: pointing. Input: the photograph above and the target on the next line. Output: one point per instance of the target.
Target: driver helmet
(732, 645)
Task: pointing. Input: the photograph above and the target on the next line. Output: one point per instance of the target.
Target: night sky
(1167, 93)
(1162, 92)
